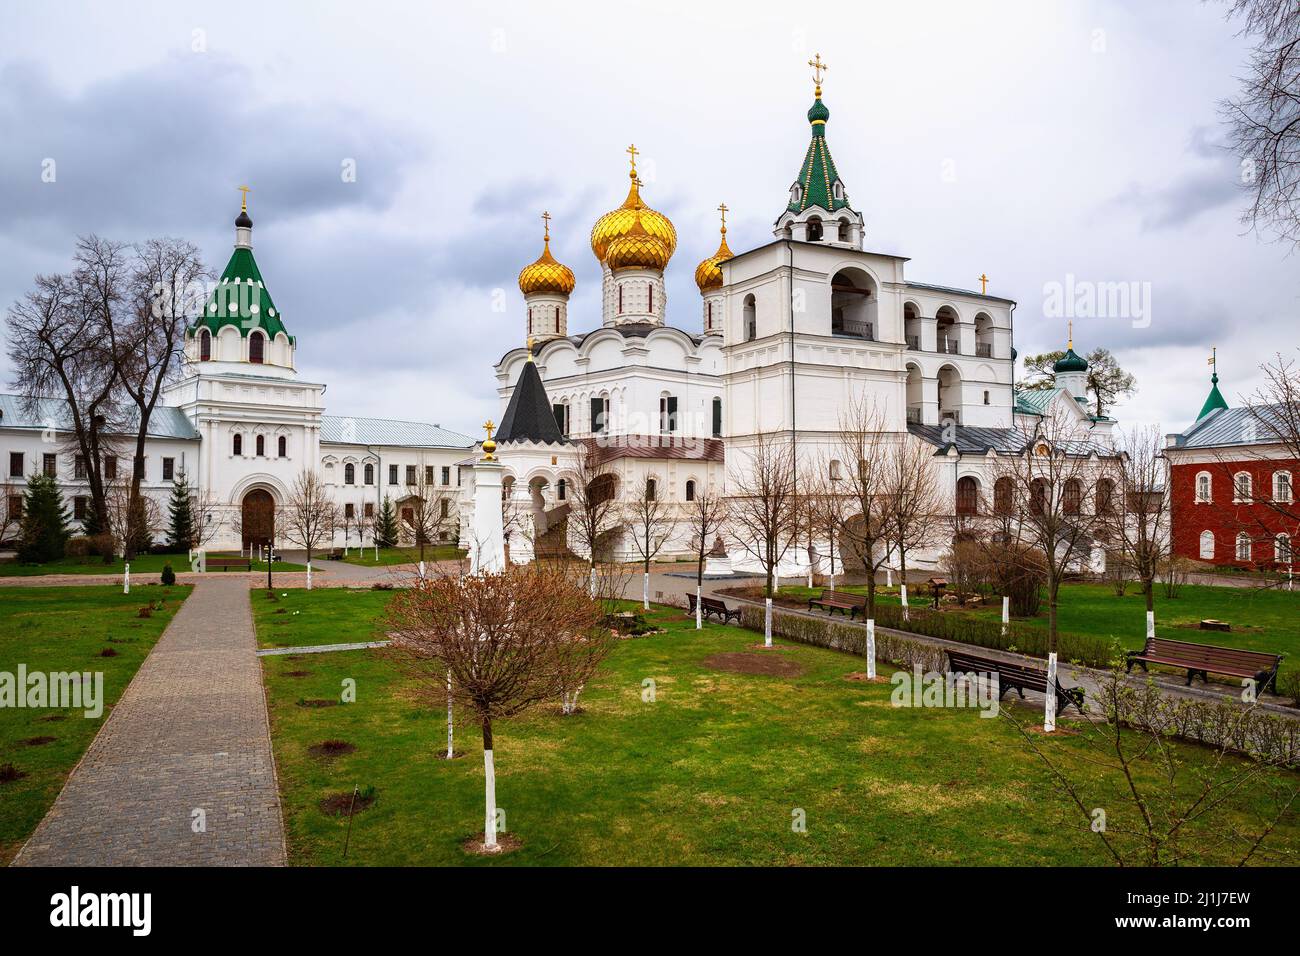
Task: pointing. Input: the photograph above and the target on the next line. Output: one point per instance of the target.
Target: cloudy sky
(1040, 142)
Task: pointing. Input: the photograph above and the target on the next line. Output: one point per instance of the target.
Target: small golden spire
(243, 199)
(1070, 343)
(817, 65)
(489, 446)
(984, 284)
(530, 348)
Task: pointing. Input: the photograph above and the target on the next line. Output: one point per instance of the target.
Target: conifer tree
(386, 530)
(181, 536)
(44, 529)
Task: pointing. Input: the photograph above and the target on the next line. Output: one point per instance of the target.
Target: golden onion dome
(637, 249)
(708, 274)
(547, 274)
(618, 222)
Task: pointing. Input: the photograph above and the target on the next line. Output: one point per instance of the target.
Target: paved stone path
(190, 732)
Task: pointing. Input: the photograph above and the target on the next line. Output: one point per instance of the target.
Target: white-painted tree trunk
(902, 593)
(767, 622)
(699, 611)
(450, 739)
(1151, 625)
(645, 591)
(1049, 710)
(1006, 615)
(490, 816)
(871, 648)
(592, 584)
(308, 575)
(421, 570)
(889, 577)
(126, 579)
(810, 574)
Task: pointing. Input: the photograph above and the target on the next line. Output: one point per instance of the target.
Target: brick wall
(1226, 518)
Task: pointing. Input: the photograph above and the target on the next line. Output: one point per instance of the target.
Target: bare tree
(1134, 516)
(1263, 120)
(827, 505)
(56, 349)
(866, 450)
(1275, 412)
(505, 650)
(430, 507)
(126, 515)
(310, 515)
(649, 524)
(763, 504)
(593, 513)
(912, 490)
(704, 518)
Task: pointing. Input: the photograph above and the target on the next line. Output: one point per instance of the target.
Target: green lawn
(390, 556)
(65, 629)
(709, 773)
(140, 564)
(297, 617)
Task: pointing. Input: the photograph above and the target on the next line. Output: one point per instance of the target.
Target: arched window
(559, 490)
(968, 491)
(620, 300)
(205, 346)
(1039, 498)
(369, 473)
(1282, 486)
(717, 417)
(1241, 486)
(349, 474)
(259, 444)
(256, 347)
(844, 223)
(237, 444)
(282, 447)
(1282, 548)
(690, 490)
(1072, 499)
(1105, 497)
(751, 318)
(1204, 486)
(1004, 494)
(1243, 546)
(836, 470)
(651, 488)
(1207, 545)
(814, 229)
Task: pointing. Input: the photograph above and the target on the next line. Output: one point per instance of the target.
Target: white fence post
(1049, 710)
(871, 648)
(126, 578)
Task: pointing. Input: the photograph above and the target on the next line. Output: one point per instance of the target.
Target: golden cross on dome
(1070, 343)
(243, 200)
(722, 208)
(632, 151)
(488, 426)
(817, 65)
(984, 284)
(546, 219)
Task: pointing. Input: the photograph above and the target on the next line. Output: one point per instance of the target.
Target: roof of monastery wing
(165, 422)
(970, 440)
(1036, 401)
(630, 330)
(1238, 426)
(529, 416)
(953, 290)
(346, 430)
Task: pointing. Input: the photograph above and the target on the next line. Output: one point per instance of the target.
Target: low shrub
(79, 547)
(838, 636)
(168, 575)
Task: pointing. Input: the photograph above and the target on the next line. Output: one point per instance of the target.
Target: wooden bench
(710, 606)
(840, 601)
(244, 564)
(1017, 676)
(1204, 658)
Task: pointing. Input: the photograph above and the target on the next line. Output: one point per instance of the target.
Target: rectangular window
(169, 469)
(79, 468)
(50, 465)
(349, 510)
(392, 474)
(561, 418)
(370, 509)
(15, 507)
(428, 474)
(446, 474)
(717, 418)
(410, 475)
(446, 505)
(79, 507)
(15, 464)
(668, 413)
(110, 467)
(597, 415)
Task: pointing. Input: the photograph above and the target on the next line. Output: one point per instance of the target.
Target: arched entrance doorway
(257, 517)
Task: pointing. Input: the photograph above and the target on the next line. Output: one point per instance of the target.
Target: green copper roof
(1071, 361)
(817, 176)
(1214, 400)
(240, 299)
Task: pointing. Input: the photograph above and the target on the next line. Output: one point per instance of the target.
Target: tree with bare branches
(430, 508)
(649, 522)
(310, 515)
(1132, 504)
(867, 450)
(594, 515)
(912, 489)
(704, 518)
(763, 509)
(505, 649)
(827, 506)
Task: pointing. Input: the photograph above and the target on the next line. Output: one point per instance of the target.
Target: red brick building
(1233, 488)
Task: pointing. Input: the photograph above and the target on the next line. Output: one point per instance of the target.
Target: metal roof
(972, 440)
(165, 422)
(1238, 426)
(347, 430)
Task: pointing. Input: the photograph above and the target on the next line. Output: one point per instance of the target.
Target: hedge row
(838, 636)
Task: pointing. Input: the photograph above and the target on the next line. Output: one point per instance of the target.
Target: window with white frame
(1282, 486)
(1282, 549)
(1204, 486)
(1243, 546)
(1207, 545)
(1241, 486)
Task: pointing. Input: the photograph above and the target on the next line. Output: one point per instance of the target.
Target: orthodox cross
(817, 65)
(984, 284)
(546, 219)
(243, 199)
(632, 151)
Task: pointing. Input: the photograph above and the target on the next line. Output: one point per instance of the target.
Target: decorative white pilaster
(487, 540)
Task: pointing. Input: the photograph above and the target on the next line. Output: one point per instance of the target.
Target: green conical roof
(817, 176)
(240, 297)
(1214, 400)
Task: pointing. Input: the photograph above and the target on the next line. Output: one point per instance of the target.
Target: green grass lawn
(140, 564)
(365, 557)
(65, 629)
(710, 773)
(297, 617)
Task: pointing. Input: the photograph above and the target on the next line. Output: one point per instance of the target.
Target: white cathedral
(790, 334)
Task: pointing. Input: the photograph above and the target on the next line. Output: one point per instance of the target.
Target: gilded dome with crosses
(546, 274)
(708, 274)
(637, 249)
(618, 222)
